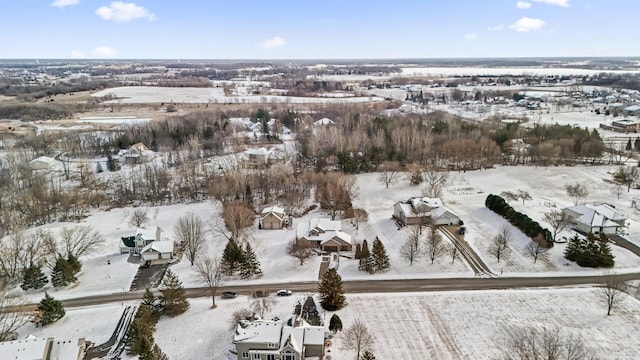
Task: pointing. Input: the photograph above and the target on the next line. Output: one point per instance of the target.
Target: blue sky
(311, 29)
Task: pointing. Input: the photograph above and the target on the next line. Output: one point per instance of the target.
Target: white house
(45, 163)
(158, 252)
(633, 110)
(137, 153)
(258, 157)
(141, 238)
(594, 219)
(273, 217)
(324, 122)
(326, 234)
(423, 209)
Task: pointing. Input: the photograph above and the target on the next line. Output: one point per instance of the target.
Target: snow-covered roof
(260, 331)
(65, 349)
(340, 235)
(313, 335)
(45, 161)
(159, 246)
(275, 211)
(146, 234)
(139, 147)
(323, 121)
(441, 212)
(590, 215)
(632, 108)
(31, 348)
(258, 152)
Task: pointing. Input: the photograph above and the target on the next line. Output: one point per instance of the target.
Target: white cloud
(523, 5)
(63, 3)
(122, 12)
(496, 28)
(273, 43)
(77, 54)
(527, 24)
(563, 3)
(104, 52)
(472, 36)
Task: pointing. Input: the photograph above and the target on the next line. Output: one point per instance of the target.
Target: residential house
(596, 219)
(326, 234)
(275, 340)
(273, 217)
(34, 348)
(45, 163)
(424, 210)
(258, 157)
(141, 238)
(633, 110)
(137, 153)
(324, 122)
(158, 252)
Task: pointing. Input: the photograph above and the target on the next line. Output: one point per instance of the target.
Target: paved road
(380, 286)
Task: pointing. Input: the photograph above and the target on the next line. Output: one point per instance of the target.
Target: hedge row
(523, 222)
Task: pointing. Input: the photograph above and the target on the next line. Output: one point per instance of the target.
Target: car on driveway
(284, 293)
(228, 295)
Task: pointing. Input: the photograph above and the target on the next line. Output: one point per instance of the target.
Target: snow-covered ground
(152, 94)
(491, 71)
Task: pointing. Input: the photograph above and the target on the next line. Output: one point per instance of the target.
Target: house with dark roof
(134, 244)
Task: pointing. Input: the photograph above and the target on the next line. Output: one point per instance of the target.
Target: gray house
(302, 336)
(418, 210)
(142, 237)
(594, 219)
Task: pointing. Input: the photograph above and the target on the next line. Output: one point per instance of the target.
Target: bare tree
(617, 189)
(576, 191)
(611, 293)
(435, 247)
(524, 195)
(357, 338)
(237, 216)
(410, 250)
(435, 181)
(389, 174)
(239, 315)
(499, 246)
(190, 232)
(139, 218)
(12, 315)
(545, 344)
(301, 250)
(334, 192)
(210, 271)
(360, 216)
(627, 175)
(453, 252)
(77, 241)
(262, 305)
(509, 195)
(535, 251)
(556, 221)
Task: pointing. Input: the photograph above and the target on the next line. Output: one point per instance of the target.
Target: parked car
(260, 293)
(462, 231)
(284, 293)
(228, 295)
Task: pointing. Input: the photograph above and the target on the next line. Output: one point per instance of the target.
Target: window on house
(255, 356)
(288, 357)
(271, 357)
(272, 345)
(245, 355)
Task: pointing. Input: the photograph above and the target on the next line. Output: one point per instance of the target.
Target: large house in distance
(273, 217)
(135, 243)
(137, 153)
(275, 340)
(326, 234)
(424, 210)
(594, 219)
(45, 163)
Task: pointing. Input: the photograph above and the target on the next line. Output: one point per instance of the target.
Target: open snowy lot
(490, 71)
(152, 94)
(447, 325)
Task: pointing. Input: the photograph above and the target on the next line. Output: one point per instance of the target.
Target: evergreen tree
(358, 253)
(140, 332)
(150, 301)
(63, 273)
(365, 249)
(74, 263)
(112, 164)
(331, 292)
(366, 264)
(99, 168)
(628, 147)
(636, 144)
(232, 257)
(174, 298)
(379, 256)
(50, 310)
(156, 354)
(33, 278)
(250, 265)
(335, 324)
(367, 355)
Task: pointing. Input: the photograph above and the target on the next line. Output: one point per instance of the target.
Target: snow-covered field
(152, 94)
(490, 71)
(446, 325)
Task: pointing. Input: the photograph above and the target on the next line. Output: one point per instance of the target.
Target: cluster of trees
(433, 247)
(372, 261)
(523, 222)
(237, 259)
(591, 251)
(23, 255)
(171, 302)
